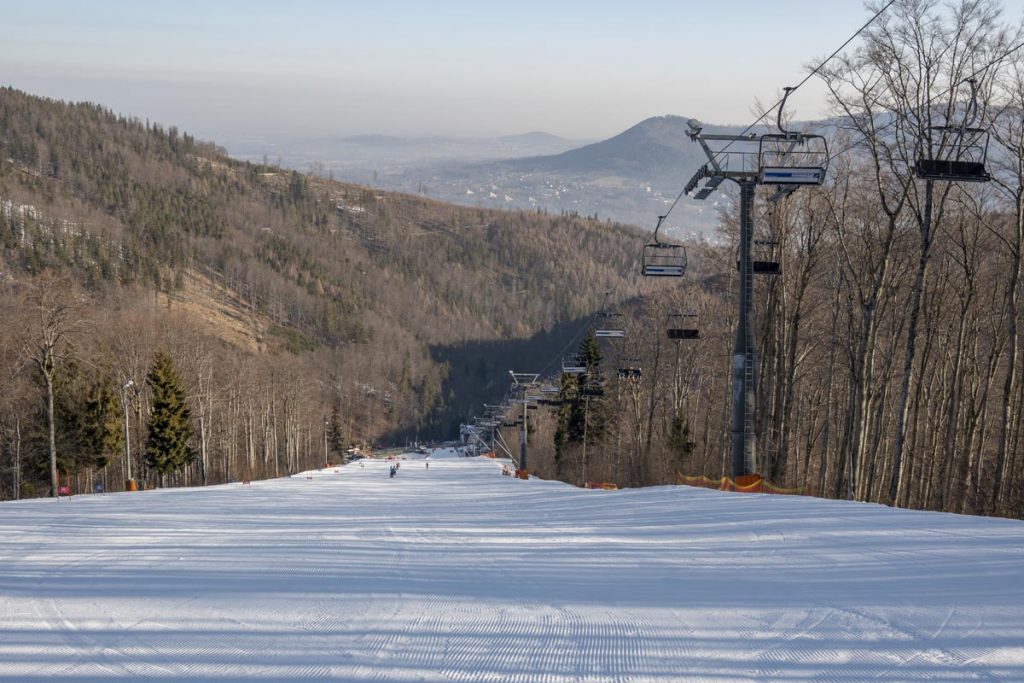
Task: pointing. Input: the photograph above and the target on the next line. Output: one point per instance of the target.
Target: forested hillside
(300, 313)
(889, 347)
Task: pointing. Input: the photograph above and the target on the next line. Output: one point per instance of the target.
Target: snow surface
(458, 573)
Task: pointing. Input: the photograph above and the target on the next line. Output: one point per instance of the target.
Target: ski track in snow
(456, 573)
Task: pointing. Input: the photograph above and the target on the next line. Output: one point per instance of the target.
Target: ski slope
(456, 573)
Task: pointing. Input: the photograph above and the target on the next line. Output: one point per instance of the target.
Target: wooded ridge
(282, 298)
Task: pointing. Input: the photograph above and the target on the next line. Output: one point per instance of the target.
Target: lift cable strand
(793, 89)
(947, 91)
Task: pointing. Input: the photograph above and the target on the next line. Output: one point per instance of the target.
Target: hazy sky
(588, 69)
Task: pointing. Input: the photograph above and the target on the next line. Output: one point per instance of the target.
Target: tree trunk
(1010, 380)
(52, 432)
(908, 357)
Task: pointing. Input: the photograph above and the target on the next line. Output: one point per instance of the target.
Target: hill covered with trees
(283, 299)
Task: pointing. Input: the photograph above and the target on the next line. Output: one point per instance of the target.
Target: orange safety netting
(602, 485)
(749, 484)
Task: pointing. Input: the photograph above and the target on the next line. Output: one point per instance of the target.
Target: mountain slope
(348, 287)
(653, 148)
(631, 177)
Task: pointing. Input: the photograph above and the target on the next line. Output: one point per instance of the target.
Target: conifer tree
(588, 415)
(102, 437)
(170, 428)
(680, 444)
(334, 436)
(567, 394)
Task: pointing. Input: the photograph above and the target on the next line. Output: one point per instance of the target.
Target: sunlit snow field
(458, 573)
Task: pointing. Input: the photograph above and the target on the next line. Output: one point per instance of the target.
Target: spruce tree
(334, 436)
(102, 435)
(679, 443)
(170, 428)
(567, 394)
(587, 414)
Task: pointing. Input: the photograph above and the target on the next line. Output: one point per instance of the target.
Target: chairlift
(789, 157)
(573, 365)
(763, 265)
(955, 153)
(661, 259)
(770, 266)
(683, 326)
(610, 323)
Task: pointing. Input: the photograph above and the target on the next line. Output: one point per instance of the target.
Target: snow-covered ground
(458, 573)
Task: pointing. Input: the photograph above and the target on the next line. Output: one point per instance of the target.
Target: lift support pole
(523, 437)
(524, 381)
(744, 357)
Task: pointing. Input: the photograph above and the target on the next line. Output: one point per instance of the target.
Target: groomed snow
(458, 573)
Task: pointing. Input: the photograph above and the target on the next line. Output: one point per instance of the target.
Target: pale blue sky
(313, 67)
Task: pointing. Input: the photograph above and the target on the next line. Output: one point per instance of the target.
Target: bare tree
(53, 310)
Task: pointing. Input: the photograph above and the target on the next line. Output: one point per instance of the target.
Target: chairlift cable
(588, 321)
(970, 77)
(791, 90)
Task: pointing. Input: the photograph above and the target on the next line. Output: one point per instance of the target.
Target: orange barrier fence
(751, 483)
(602, 485)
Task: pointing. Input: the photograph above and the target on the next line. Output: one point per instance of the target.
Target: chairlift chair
(789, 157)
(610, 325)
(762, 266)
(792, 159)
(661, 259)
(956, 153)
(685, 326)
(573, 365)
